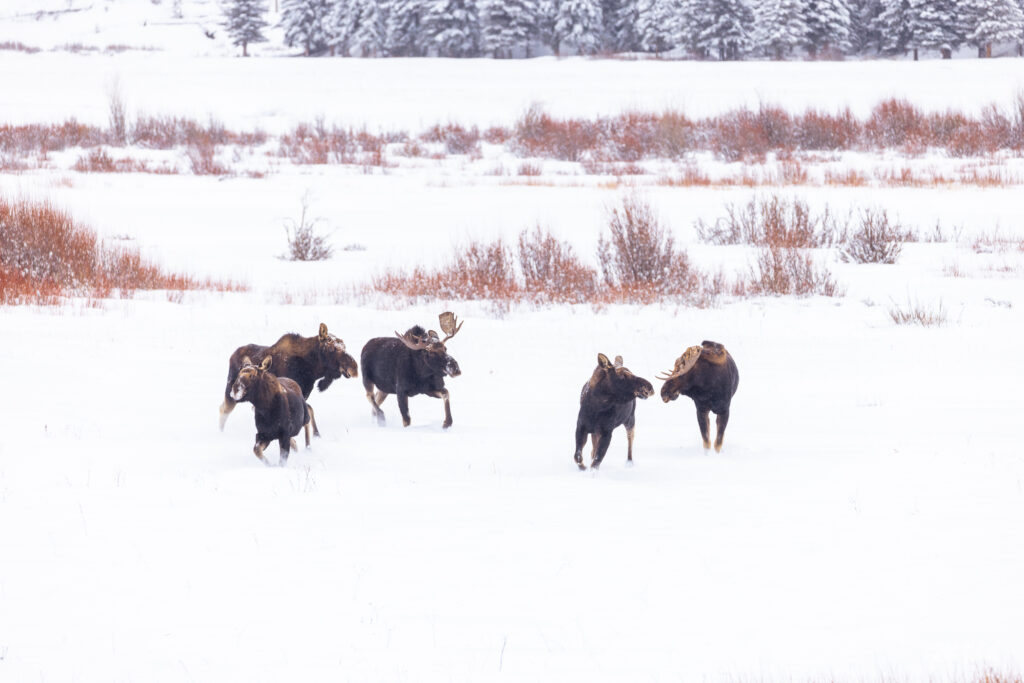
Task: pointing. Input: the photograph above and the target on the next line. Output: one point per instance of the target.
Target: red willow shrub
(44, 255)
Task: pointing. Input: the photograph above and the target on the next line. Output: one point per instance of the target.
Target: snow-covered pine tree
(452, 27)
(895, 25)
(724, 27)
(864, 33)
(547, 25)
(368, 35)
(620, 18)
(828, 26)
(508, 26)
(244, 21)
(579, 23)
(305, 22)
(658, 25)
(404, 31)
(992, 21)
(779, 27)
(340, 27)
(939, 26)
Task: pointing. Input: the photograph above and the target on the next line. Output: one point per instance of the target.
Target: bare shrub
(774, 221)
(896, 123)
(304, 243)
(876, 239)
(117, 114)
(820, 131)
(202, 158)
(44, 255)
(456, 139)
(484, 271)
(638, 250)
(537, 134)
(551, 270)
(916, 313)
(782, 271)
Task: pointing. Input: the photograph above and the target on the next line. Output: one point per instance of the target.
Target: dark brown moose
(281, 411)
(607, 401)
(410, 364)
(301, 359)
(707, 374)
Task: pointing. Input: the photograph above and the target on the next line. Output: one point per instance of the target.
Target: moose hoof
(406, 422)
(718, 448)
(447, 424)
(629, 463)
(707, 445)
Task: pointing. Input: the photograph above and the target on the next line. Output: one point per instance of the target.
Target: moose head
(435, 353)
(248, 376)
(334, 360)
(617, 381)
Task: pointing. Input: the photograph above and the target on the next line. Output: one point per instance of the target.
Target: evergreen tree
(508, 25)
(722, 27)
(244, 22)
(452, 27)
(938, 26)
(658, 27)
(779, 27)
(305, 22)
(404, 29)
(828, 25)
(547, 24)
(864, 31)
(340, 27)
(368, 27)
(579, 22)
(992, 21)
(620, 22)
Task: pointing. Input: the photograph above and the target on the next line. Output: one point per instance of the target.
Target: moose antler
(682, 364)
(413, 342)
(448, 325)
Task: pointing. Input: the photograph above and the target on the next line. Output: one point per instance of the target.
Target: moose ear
(323, 331)
(265, 365)
(618, 361)
(602, 361)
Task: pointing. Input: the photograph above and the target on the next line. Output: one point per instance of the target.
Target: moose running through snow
(707, 374)
(410, 364)
(303, 360)
(281, 410)
(607, 401)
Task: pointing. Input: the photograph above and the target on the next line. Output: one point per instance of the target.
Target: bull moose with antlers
(707, 374)
(607, 401)
(410, 364)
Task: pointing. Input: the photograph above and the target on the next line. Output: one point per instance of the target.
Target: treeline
(697, 29)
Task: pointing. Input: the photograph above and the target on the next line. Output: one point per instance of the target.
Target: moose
(300, 359)
(281, 410)
(607, 401)
(707, 374)
(410, 364)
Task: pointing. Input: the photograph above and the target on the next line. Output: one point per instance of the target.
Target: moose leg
(603, 441)
(225, 409)
(721, 420)
(312, 420)
(377, 412)
(379, 397)
(285, 444)
(403, 408)
(259, 448)
(581, 438)
(702, 422)
(630, 426)
(443, 394)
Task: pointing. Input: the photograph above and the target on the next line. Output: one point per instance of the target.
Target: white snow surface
(862, 522)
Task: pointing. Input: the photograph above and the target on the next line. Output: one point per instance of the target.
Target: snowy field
(862, 522)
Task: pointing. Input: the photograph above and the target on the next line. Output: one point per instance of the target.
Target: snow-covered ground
(862, 522)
